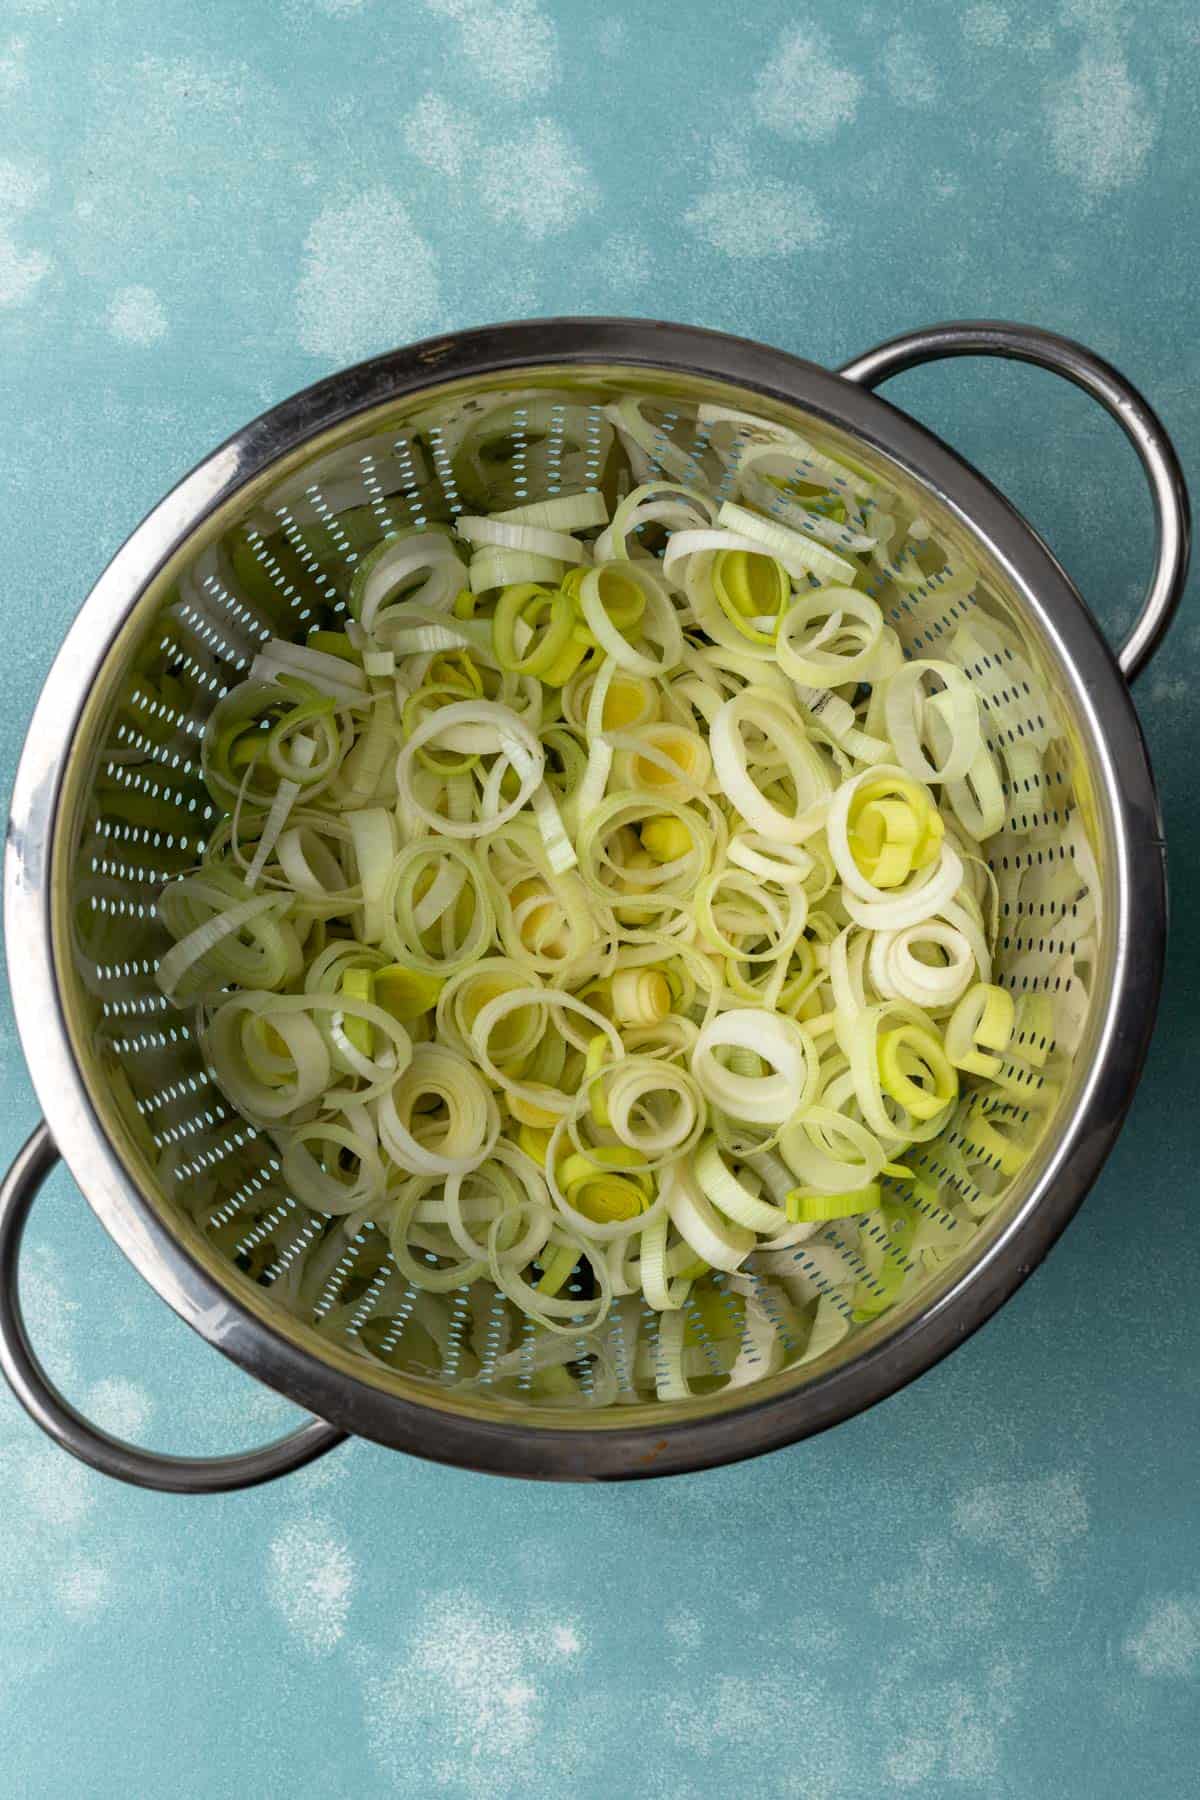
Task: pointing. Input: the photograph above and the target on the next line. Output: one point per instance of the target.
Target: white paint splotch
(726, 1721)
(469, 1700)
(956, 1739)
(538, 181)
(1101, 124)
(986, 25)
(957, 1733)
(1035, 1522)
(932, 1592)
(56, 1554)
(1171, 690)
(1165, 1642)
(22, 269)
(910, 71)
(58, 1494)
(310, 1582)
(51, 1312)
(328, 1471)
(623, 261)
(136, 315)
(14, 69)
(685, 1629)
(82, 1588)
(510, 46)
(1105, 18)
(441, 135)
(1173, 686)
(306, 10)
(120, 1406)
(47, 1561)
(801, 92)
(369, 279)
(742, 213)
(168, 145)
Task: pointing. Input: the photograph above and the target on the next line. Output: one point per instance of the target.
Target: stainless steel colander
(108, 806)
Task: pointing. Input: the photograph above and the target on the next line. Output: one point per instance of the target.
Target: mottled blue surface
(988, 1586)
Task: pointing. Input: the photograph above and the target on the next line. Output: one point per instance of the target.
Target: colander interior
(277, 560)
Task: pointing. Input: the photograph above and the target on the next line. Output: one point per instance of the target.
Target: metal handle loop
(59, 1419)
(1025, 343)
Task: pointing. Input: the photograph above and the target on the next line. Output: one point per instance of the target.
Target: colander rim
(520, 1445)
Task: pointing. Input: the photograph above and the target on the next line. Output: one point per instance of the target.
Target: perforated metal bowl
(108, 806)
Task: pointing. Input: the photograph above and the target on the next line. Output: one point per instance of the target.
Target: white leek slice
(190, 950)
(798, 554)
(659, 621)
(558, 545)
(372, 832)
(786, 742)
(732, 1197)
(568, 512)
(493, 728)
(716, 1240)
(469, 1130)
(782, 1044)
(957, 710)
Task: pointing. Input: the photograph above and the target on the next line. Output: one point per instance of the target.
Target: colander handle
(1137, 419)
(59, 1419)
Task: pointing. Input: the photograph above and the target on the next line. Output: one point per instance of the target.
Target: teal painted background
(988, 1586)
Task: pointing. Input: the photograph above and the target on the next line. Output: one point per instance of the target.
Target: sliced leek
(602, 912)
